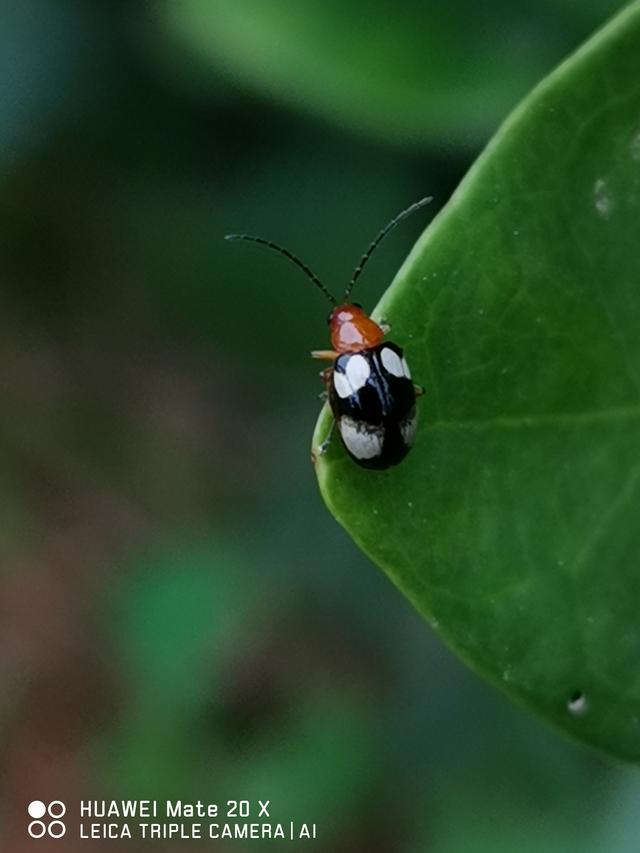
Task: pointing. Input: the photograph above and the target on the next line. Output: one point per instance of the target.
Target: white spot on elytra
(361, 440)
(341, 384)
(392, 362)
(358, 371)
(405, 368)
(603, 198)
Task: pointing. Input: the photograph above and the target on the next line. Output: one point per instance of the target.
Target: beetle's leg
(324, 446)
(419, 390)
(325, 375)
(324, 354)
(385, 326)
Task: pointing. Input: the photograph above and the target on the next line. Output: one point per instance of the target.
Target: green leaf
(406, 73)
(513, 523)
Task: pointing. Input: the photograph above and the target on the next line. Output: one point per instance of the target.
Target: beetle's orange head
(352, 330)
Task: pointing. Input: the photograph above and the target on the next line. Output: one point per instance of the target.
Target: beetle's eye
(356, 305)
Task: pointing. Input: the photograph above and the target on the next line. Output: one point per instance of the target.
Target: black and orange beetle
(369, 385)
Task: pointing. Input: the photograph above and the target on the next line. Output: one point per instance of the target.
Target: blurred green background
(179, 615)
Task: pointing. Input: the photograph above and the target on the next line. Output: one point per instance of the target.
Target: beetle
(368, 385)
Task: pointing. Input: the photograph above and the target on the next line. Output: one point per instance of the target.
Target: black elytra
(373, 401)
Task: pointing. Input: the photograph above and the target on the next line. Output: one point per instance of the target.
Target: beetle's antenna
(305, 269)
(387, 228)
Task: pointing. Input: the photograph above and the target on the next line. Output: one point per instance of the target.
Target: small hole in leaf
(577, 703)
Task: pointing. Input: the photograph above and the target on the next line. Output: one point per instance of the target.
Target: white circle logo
(37, 809)
(56, 829)
(56, 808)
(38, 828)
